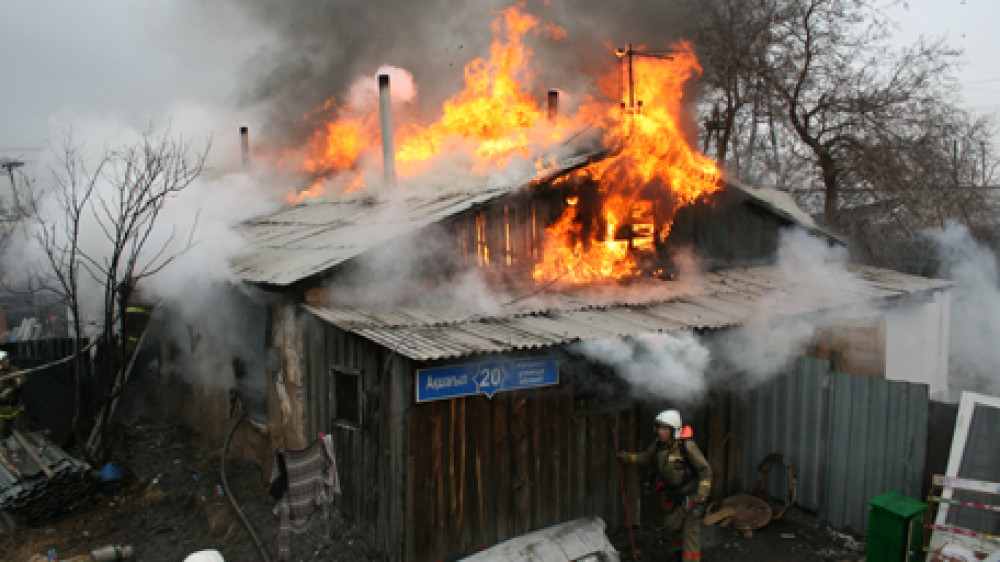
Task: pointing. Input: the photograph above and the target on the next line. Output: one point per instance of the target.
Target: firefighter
(10, 397)
(684, 480)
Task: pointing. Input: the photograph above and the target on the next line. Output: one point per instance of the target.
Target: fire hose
(225, 486)
(628, 515)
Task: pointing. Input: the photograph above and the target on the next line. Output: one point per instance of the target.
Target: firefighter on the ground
(684, 482)
(11, 405)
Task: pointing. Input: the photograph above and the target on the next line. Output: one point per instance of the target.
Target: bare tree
(18, 205)
(141, 178)
(874, 128)
(73, 186)
(120, 198)
(732, 37)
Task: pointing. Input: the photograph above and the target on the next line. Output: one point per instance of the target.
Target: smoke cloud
(656, 366)
(203, 214)
(314, 51)
(975, 309)
(768, 341)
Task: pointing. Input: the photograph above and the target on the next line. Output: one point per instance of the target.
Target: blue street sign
(487, 377)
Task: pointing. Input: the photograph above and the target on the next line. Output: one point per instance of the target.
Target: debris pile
(38, 480)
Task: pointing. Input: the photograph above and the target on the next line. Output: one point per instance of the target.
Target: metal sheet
(850, 438)
(426, 332)
(306, 239)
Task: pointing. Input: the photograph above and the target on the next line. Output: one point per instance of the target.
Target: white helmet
(3, 355)
(670, 418)
(210, 555)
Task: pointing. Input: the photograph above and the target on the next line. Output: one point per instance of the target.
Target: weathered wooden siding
(485, 470)
(372, 456)
(287, 386)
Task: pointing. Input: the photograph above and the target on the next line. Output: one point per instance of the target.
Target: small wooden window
(347, 394)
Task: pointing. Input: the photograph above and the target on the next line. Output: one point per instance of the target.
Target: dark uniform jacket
(682, 477)
(10, 392)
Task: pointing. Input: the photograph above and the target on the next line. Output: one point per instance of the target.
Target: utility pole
(626, 55)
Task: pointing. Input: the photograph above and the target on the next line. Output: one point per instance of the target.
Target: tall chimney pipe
(244, 147)
(553, 105)
(388, 155)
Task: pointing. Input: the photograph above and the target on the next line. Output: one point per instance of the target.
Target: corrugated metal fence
(849, 438)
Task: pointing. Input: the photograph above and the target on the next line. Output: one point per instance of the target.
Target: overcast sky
(135, 63)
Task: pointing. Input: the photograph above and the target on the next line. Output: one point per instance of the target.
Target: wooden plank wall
(485, 470)
(371, 459)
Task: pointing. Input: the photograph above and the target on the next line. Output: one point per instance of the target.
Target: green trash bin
(895, 529)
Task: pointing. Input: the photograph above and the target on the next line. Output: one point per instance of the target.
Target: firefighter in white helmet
(684, 482)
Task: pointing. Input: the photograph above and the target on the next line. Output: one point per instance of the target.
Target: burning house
(434, 328)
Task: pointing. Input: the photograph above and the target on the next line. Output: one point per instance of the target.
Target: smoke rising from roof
(680, 367)
(975, 309)
(767, 342)
(656, 366)
(193, 284)
(319, 47)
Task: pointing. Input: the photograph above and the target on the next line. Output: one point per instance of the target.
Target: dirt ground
(798, 537)
(171, 506)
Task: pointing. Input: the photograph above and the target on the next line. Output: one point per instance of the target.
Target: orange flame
(650, 153)
(494, 111)
(495, 108)
(650, 170)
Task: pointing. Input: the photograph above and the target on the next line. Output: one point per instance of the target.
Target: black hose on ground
(232, 500)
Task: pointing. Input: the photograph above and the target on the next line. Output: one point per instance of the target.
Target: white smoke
(769, 340)
(975, 309)
(363, 93)
(194, 228)
(656, 366)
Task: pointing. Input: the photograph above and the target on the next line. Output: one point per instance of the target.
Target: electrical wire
(22, 372)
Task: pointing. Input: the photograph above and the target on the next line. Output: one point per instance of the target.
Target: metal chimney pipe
(244, 147)
(388, 155)
(553, 105)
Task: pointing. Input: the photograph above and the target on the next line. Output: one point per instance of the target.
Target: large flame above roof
(648, 172)
(492, 118)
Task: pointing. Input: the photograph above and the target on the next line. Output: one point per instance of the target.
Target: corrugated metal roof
(715, 300)
(307, 239)
(781, 203)
(303, 240)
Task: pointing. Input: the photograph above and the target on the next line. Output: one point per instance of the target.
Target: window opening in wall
(508, 250)
(347, 389)
(482, 248)
(465, 243)
(533, 235)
